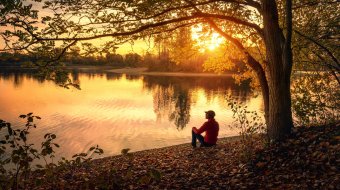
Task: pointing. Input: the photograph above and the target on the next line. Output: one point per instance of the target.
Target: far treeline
(175, 53)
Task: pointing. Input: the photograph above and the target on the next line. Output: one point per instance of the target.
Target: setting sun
(206, 40)
(215, 41)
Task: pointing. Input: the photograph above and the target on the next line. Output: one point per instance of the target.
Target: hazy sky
(139, 46)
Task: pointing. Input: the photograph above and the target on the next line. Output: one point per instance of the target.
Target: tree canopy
(32, 23)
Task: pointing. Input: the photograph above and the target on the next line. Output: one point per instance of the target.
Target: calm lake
(119, 111)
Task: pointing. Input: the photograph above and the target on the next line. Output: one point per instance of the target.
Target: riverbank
(308, 159)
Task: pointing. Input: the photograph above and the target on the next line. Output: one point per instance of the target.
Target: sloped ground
(309, 159)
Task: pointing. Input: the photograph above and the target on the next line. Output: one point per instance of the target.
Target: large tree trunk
(278, 71)
(280, 114)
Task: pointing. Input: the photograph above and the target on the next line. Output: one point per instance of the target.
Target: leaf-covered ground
(309, 159)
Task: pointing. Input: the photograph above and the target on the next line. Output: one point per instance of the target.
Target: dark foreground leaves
(309, 159)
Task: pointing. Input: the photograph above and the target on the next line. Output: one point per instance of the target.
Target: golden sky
(206, 41)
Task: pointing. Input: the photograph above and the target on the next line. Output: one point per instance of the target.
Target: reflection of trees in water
(133, 77)
(108, 75)
(173, 97)
(181, 113)
(113, 76)
(170, 101)
(162, 101)
(118, 76)
(92, 75)
(75, 76)
(17, 77)
(222, 87)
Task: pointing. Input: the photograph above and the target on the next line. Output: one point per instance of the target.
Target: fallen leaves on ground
(308, 159)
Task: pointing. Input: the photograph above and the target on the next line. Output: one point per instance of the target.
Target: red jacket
(210, 128)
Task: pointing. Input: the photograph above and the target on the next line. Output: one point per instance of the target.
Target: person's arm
(201, 129)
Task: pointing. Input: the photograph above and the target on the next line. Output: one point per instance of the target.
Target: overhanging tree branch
(239, 21)
(328, 66)
(36, 37)
(61, 53)
(255, 65)
(321, 46)
(232, 19)
(116, 34)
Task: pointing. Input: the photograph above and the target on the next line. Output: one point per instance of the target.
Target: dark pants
(200, 139)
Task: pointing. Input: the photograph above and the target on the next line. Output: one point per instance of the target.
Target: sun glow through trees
(206, 40)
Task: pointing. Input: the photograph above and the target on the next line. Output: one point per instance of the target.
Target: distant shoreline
(127, 70)
(143, 71)
(137, 71)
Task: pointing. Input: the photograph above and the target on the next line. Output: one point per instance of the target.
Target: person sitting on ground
(210, 128)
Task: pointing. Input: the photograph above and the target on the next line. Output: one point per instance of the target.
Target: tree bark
(279, 58)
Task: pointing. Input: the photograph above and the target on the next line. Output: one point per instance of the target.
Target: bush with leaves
(249, 123)
(17, 156)
(18, 171)
(315, 99)
(16, 151)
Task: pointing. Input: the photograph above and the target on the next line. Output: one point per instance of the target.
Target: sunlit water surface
(118, 111)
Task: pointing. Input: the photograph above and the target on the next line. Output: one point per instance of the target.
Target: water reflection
(172, 96)
(120, 111)
(172, 102)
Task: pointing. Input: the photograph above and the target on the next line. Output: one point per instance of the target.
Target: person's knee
(193, 132)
